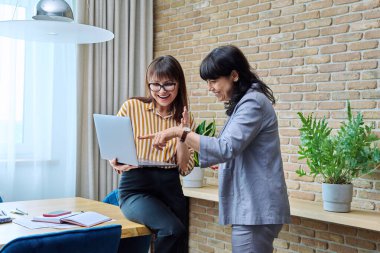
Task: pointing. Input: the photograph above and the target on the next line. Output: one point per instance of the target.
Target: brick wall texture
(314, 55)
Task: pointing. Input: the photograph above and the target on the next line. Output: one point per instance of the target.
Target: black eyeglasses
(168, 86)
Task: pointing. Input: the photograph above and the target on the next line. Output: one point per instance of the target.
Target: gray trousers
(254, 238)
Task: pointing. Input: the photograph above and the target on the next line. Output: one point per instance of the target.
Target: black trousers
(154, 197)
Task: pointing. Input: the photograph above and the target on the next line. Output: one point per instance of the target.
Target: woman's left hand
(160, 139)
(185, 120)
(119, 167)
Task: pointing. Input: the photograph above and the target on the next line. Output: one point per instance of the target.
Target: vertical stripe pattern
(145, 120)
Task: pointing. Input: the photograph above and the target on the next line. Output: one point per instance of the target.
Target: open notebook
(83, 219)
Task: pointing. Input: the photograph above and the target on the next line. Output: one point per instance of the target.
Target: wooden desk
(10, 231)
(305, 209)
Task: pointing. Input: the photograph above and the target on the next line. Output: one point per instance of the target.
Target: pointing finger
(149, 136)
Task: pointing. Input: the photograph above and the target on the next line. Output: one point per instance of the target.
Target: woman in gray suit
(252, 190)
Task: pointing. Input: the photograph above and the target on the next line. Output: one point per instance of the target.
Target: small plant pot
(194, 179)
(337, 197)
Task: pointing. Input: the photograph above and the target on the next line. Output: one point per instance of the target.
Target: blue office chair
(104, 239)
(112, 198)
(138, 244)
(1, 200)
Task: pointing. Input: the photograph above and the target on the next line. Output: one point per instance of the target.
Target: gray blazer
(252, 187)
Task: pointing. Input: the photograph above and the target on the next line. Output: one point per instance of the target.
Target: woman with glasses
(153, 196)
(252, 191)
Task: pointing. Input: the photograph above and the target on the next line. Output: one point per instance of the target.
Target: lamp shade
(54, 31)
(53, 23)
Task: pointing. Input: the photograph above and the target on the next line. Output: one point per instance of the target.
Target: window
(11, 83)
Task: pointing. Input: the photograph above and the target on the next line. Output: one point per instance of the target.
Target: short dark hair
(221, 61)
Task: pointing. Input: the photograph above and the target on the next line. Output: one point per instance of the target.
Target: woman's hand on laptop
(119, 167)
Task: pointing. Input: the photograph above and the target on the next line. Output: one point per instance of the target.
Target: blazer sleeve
(244, 125)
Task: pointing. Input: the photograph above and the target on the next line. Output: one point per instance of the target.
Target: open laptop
(116, 140)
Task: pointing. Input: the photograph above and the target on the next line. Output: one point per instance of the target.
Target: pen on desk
(24, 213)
(3, 213)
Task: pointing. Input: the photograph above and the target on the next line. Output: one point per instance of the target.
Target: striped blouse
(146, 120)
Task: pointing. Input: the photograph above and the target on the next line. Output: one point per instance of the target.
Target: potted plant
(195, 177)
(338, 158)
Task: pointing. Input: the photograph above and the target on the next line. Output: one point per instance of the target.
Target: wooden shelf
(305, 209)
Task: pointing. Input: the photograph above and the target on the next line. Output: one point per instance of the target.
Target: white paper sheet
(36, 224)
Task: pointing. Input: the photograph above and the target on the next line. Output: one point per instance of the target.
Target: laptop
(116, 140)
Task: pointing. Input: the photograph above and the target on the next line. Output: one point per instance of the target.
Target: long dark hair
(168, 67)
(221, 61)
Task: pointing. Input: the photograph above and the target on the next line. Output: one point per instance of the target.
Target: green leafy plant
(207, 130)
(338, 158)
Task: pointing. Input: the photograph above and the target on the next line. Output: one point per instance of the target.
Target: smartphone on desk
(56, 213)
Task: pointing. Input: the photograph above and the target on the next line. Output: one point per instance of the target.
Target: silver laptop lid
(115, 138)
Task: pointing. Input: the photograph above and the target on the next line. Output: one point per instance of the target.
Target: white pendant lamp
(54, 23)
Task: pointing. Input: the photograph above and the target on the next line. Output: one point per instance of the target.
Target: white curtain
(38, 105)
(108, 74)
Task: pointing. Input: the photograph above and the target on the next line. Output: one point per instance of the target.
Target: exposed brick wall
(302, 235)
(313, 54)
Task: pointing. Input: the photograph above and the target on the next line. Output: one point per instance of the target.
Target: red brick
(343, 38)
(369, 235)
(314, 243)
(331, 86)
(302, 231)
(304, 88)
(340, 229)
(341, 249)
(361, 85)
(329, 236)
(317, 225)
(259, 8)
(366, 5)
(331, 105)
(362, 65)
(334, 11)
(319, 41)
(319, 5)
(335, 30)
(302, 195)
(372, 14)
(307, 16)
(352, 17)
(365, 25)
(334, 49)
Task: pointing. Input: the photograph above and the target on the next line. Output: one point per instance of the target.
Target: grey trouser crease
(254, 238)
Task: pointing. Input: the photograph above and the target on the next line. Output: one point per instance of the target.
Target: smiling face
(163, 91)
(222, 87)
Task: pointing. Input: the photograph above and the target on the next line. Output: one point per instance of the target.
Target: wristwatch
(186, 130)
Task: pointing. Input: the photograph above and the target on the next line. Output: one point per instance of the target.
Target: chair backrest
(1, 200)
(112, 198)
(104, 239)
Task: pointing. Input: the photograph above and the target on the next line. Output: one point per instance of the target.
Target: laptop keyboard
(150, 163)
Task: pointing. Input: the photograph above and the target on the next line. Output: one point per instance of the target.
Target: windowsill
(305, 209)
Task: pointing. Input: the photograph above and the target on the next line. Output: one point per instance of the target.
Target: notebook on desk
(116, 140)
(83, 219)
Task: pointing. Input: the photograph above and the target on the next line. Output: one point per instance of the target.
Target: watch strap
(184, 134)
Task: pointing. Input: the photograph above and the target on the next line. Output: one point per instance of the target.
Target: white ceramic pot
(337, 197)
(194, 179)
